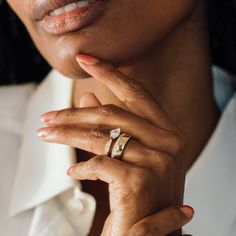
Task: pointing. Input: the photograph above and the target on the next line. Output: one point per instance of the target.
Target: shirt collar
(41, 168)
(210, 183)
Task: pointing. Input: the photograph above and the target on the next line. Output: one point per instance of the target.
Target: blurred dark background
(20, 61)
(222, 27)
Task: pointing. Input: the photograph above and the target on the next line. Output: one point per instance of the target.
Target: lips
(63, 16)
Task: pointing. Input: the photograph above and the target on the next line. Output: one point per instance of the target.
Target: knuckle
(145, 229)
(96, 134)
(108, 110)
(141, 179)
(122, 182)
(96, 163)
(137, 88)
(184, 140)
(180, 142)
(164, 162)
(167, 163)
(135, 186)
(123, 198)
(63, 115)
(177, 143)
(134, 85)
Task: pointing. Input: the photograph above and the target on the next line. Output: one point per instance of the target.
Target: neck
(178, 73)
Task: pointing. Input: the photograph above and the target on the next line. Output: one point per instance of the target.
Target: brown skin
(162, 223)
(167, 52)
(153, 158)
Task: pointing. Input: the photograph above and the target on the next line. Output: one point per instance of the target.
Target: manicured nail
(43, 132)
(87, 60)
(48, 116)
(188, 211)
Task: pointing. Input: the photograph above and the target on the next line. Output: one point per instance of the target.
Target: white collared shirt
(37, 199)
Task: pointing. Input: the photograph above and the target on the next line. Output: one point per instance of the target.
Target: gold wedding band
(119, 146)
(115, 150)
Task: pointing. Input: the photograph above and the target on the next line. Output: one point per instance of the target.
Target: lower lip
(74, 20)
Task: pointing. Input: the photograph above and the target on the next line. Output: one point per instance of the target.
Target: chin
(67, 65)
(62, 53)
(72, 71)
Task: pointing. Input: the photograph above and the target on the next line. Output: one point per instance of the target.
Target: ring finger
(113, 116)
(93, 140)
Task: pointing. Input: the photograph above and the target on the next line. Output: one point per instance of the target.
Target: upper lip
(42, 8)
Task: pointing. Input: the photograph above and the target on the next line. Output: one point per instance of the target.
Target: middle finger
(113, 116)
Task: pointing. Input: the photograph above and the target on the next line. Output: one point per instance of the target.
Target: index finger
(130, 91)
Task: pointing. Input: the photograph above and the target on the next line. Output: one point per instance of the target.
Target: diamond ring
(114, 134)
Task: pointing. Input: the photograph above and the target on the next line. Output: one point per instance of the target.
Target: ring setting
(115, 146)
(114, 134)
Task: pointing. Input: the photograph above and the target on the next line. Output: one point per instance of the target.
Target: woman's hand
(151, 173)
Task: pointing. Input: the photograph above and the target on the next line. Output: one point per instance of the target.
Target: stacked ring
(119, 146)
(115, 150)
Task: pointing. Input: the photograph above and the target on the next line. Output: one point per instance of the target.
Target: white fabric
(37, 179)
(42, 200)
(211, 182)
(13, 100)
(34, 185)
(64, 215)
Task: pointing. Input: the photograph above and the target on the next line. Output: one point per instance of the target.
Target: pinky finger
(163, 223)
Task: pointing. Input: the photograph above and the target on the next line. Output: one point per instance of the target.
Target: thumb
(163, 222)
(89, 99)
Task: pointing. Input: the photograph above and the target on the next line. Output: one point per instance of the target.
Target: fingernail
(48, 116)
(87, 60)
(71, 170)
(188, 211)
(43, 132)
